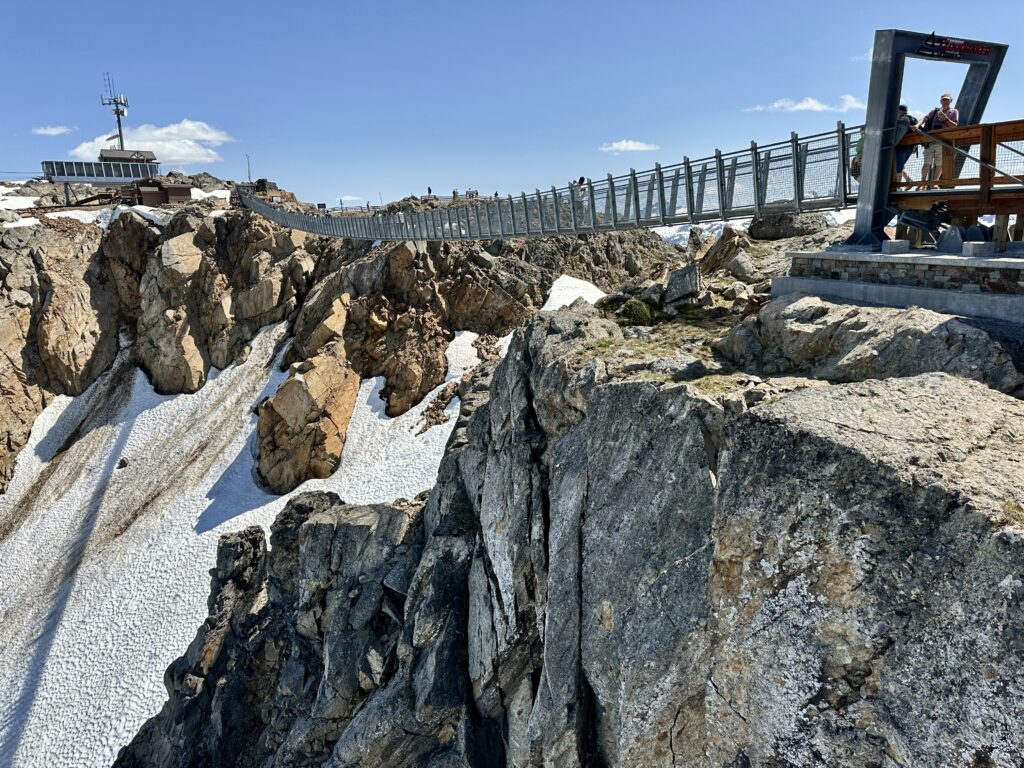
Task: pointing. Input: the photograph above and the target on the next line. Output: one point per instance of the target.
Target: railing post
(593, 204)
(649, 207)
(794, 151)
(526, 213)
(572, 205)
(556, 201)
(720, 182)
(841, 162)
(512, 214)
(612, 202)
(689, 190)
(632, 200)
(730, 184)
(755, 177)
(766, 171)
(988, 157)
(660, 177)
(501, 218)
(673, 198)
(540, 210)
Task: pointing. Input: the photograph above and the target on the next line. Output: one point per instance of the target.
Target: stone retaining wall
(986, 275)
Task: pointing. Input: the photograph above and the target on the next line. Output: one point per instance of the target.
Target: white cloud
(52, 130)
(350, 198)
(847, 103)
(866, 56)
(628, 145)
(184, 143)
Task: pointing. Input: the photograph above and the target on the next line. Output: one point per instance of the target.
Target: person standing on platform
(943, 116)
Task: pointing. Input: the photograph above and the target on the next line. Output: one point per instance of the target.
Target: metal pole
(593, 205)
(755, 178)
(557, 203)
(841, 162)
(611, 202)
(673, 199)
(572, 205)
(526, 213)
(540, 211)
(794, 151)
(689, 190)
(648, 209)
(661, 192)
(512, 214)
(720, 182)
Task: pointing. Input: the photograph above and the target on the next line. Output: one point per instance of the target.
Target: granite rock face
(844, 342)
(58, 323)
(626, 572)
(302, 427)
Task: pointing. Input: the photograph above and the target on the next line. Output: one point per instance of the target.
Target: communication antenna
(120, 104)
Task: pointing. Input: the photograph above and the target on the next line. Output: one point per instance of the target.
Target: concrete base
(999, 306)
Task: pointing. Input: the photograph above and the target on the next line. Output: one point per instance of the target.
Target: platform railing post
(556, 201)
(526, 213)
(593, 204)
(841, 162)
(689, 190)
(755, 177)
(794, 150)
(720, 182)
(660, 177)
(635, 197)
(612, 202)
(649, 207)
(572, 205)
(673, 198)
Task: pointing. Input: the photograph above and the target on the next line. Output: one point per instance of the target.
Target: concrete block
(895, 246)
(979, 249)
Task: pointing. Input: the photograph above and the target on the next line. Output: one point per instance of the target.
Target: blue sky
(356, 99)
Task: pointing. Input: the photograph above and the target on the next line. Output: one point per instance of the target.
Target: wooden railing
(981, 142)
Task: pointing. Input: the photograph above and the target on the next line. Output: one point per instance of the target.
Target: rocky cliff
(630, 559)
(194, 290)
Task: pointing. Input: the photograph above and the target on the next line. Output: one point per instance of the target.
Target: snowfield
(111, 522)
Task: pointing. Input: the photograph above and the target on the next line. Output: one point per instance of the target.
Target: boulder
(843, 342)
(302, 427)
(683, 283)
(776, 226)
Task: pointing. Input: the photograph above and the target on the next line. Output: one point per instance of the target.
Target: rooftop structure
(116, 166)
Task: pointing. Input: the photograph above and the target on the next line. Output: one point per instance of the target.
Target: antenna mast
(120, 104)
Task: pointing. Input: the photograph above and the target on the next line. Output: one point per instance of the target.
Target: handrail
(989, 137)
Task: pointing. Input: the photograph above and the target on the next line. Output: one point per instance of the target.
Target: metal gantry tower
(120, 104)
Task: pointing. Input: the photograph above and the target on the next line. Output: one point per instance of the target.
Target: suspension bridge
(982, 173)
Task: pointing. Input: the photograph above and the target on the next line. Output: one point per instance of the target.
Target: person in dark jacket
(905, 123)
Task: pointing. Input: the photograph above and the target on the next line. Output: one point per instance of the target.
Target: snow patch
(219, 194)
(86, 217)
(17, 202)
(25, 221)
(565, 290)
(105, 574)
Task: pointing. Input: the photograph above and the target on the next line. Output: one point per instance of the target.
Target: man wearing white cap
(943, 116)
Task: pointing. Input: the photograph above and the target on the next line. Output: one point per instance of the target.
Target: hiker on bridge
(905, 123)
(943, 116)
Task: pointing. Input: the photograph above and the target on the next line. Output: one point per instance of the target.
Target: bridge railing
(803, 173)
(998, 146)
